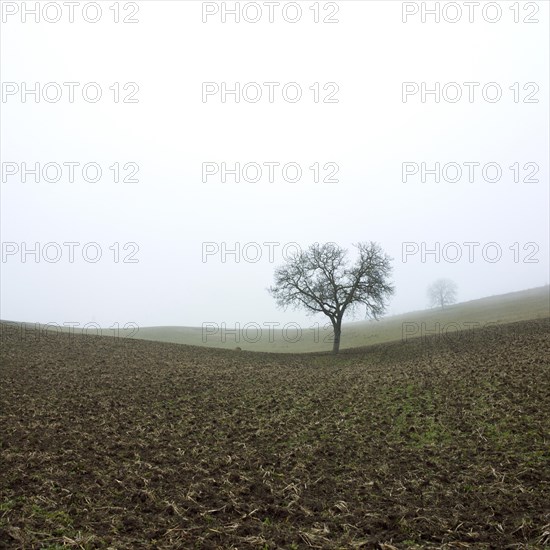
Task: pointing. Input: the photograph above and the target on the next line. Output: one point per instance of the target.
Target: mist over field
(177, 245)
(274, 274)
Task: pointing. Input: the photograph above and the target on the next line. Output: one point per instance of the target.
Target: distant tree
(442, 293)
(321, 280)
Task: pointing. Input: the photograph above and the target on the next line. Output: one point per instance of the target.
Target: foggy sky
(170, 213)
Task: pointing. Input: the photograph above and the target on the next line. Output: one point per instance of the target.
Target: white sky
(170, 212)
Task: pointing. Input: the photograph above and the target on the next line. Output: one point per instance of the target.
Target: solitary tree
(442, 293)
(321, 280)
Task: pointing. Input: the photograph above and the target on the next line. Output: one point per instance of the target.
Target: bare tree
(321, 280)
(442, 293)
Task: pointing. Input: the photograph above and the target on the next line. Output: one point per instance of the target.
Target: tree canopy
(322, 279)
(442, 293)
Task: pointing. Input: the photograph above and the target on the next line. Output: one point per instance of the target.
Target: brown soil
(128, 444)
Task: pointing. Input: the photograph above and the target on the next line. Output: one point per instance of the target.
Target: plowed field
(128, 444)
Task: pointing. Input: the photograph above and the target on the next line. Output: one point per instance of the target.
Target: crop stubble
(432, 443)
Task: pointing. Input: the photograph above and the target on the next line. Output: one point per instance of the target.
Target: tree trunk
(337, 332)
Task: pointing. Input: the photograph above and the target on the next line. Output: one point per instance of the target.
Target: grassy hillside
(473, 315)
(505, 308)
(425, 444)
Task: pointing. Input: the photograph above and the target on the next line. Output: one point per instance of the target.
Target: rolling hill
(516, 306)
